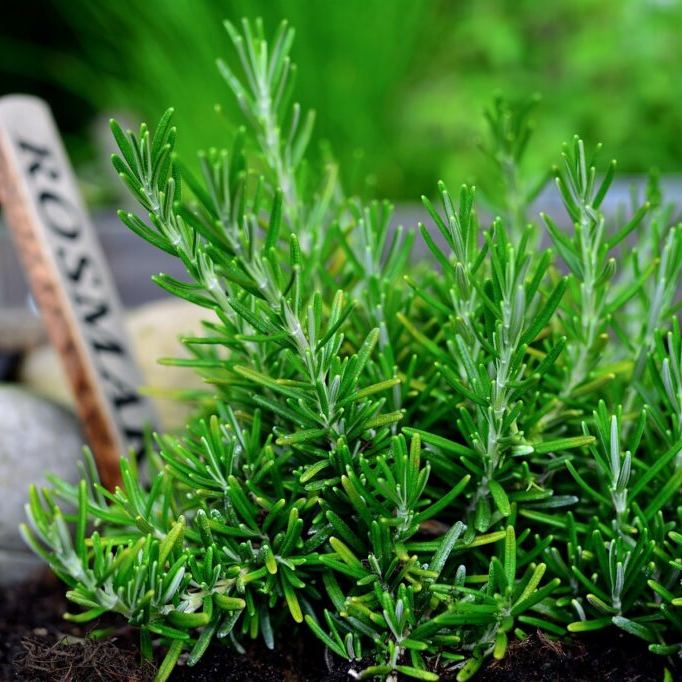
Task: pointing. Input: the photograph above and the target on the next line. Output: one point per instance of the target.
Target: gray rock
(36, 437)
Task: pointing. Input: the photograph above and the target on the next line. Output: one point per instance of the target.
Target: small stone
(36, 437)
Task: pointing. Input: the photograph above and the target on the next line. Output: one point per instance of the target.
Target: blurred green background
(398, 85)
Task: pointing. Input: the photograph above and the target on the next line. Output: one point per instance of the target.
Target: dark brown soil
(34, 636)
(34, 648)
(301, 661)
(601, 657)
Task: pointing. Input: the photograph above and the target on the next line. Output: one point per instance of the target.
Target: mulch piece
(34, 636)
(100, 661)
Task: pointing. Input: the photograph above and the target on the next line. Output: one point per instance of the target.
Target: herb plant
(419, 460)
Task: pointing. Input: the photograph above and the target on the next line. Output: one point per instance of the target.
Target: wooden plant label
(71, 282)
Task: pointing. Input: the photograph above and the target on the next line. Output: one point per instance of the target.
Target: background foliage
(405, 82)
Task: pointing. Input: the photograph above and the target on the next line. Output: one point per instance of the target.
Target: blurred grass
(398, 85)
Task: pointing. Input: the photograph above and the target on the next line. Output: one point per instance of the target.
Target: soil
(33, 634)
(37, 644)
(606, 656)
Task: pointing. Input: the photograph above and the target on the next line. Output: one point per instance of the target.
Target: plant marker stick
(71, 282)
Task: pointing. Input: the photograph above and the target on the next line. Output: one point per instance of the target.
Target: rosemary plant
(416, 461)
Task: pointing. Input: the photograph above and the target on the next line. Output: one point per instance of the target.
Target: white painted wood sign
(70, 281)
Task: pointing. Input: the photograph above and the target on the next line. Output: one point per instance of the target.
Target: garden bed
(395, 457)
(32, 629)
